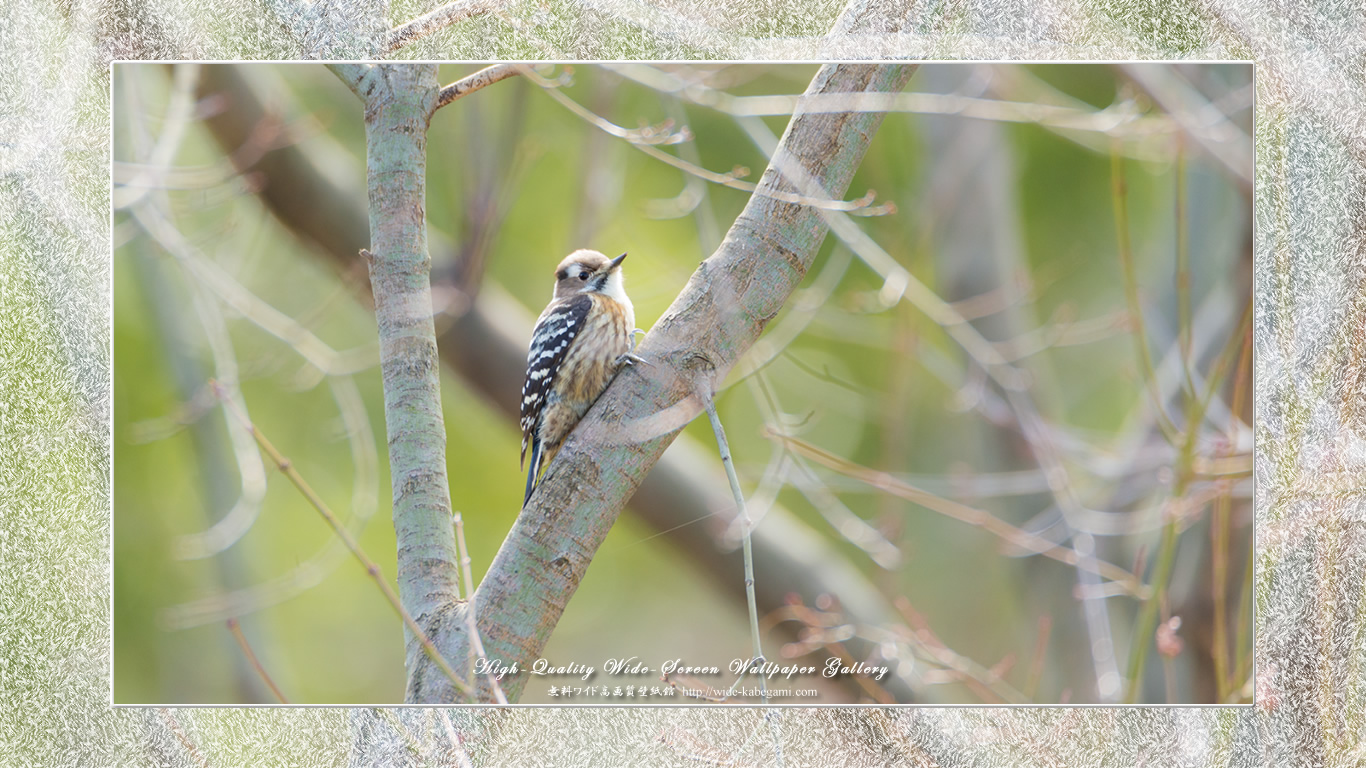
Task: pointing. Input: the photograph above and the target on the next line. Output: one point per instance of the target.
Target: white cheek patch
(615, 287)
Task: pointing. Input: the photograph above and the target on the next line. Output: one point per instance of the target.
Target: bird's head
(585, 271)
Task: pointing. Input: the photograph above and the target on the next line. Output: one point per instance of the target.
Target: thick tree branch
(351, 74)
(486, 346)
(399, 100)
(719, 315)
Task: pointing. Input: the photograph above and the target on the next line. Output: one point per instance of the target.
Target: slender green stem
(1183, 273)
(747, 525)
(1183, 468)
(705, 392)
(1218, 585)
(1147, 618)
(1219, 528)
(476, 643)
(1120, 196)
(1242, 660)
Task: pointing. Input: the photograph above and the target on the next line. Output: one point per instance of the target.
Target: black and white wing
(555, 330)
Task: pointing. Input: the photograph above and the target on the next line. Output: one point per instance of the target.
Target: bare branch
(309, 572)
(647, 141)
(477, 653)
(1121, 119)
(399, 102)
(286, 468)
(481, 79)
(963, 513)
(703, 392)
(447, 15)
(235, 628)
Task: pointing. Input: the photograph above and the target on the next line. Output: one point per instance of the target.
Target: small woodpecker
(582, 338)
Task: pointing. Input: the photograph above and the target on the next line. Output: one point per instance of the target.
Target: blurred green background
(1011, 217)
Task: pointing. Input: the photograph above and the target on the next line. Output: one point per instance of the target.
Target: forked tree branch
(719, 315)
(485, 345)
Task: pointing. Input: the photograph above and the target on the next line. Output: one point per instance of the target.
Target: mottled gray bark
(399, 100)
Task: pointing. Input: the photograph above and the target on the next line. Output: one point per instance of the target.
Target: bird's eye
(583, 276)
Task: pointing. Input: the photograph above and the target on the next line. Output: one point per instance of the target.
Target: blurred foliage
(885, 388)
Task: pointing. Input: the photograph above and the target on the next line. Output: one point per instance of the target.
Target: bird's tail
(535, 467)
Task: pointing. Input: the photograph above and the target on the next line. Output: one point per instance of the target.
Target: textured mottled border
(1310, 369)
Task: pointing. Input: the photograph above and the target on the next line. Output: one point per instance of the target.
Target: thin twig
(828, 629)
(662, 133)
(726, 460)
(1219, 533)
(445, 16)
(261, 313)
(647, 141)
(409, 740)
(241, 639)
(179, 115)
(1035, 674)
(287, 469)
(704, 391)
(1120, 196)
(1227, 683)
(981, 679)
(458, 751)
(180, 734)
(1243, 658)
(481, 79)
(1095, 612)
(1183, 273)
(476, 644)
(1126, 581)
(898, 282)
(1199, 118)
(1146, 622)
(308, 573)
(1121, 119)
(239, 519)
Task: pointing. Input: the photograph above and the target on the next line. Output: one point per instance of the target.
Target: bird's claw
(631, 358)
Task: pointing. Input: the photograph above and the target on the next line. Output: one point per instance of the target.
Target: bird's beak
(614, 263)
